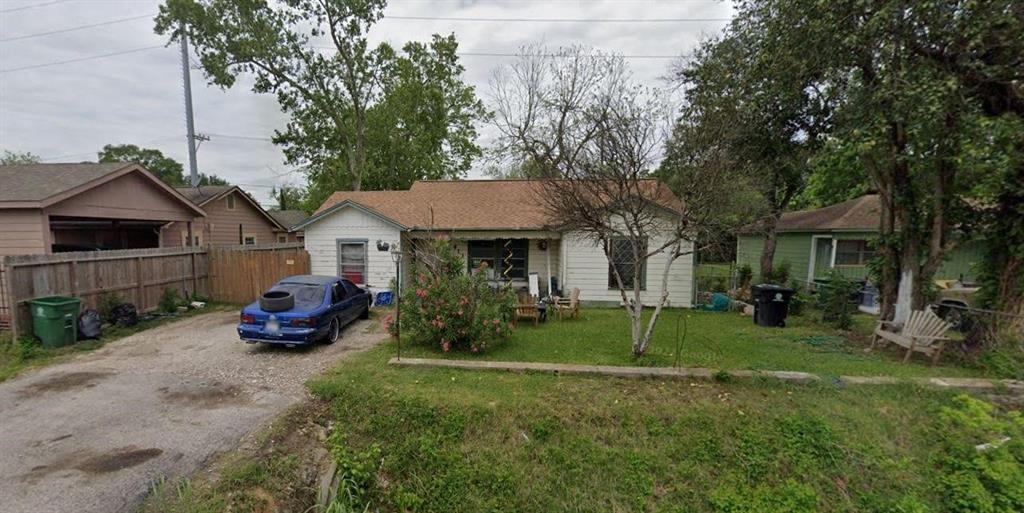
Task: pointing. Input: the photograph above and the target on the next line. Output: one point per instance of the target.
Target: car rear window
(305, 294)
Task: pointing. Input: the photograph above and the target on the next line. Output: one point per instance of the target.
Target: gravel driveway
(93, 434)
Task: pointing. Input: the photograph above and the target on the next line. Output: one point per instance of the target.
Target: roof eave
(345, 204)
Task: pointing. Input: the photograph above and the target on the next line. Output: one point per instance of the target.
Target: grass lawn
(713, 340)
(445, 440)
(28, 353)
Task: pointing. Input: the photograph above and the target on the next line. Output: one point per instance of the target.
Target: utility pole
(189, 125)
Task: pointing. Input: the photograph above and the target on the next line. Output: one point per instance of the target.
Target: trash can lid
(54, 301)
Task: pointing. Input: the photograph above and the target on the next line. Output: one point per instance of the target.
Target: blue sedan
(303, 310)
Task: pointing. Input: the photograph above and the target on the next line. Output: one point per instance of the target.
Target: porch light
(381, 245)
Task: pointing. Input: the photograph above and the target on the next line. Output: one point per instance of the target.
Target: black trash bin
(771, 305)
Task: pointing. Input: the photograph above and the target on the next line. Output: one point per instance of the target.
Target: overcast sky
(67, 112)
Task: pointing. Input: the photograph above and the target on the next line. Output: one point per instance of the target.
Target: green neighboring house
(837, 236)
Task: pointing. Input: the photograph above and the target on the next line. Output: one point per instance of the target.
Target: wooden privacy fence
(241, 274)
(234, 274)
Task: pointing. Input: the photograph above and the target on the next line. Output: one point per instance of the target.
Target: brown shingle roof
(857, 214)
(288, 218)
(36, 182)
(203, 193)
(466, 204)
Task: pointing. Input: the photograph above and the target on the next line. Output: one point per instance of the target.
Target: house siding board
(131, 196)
(353, 224)
(220, 227)
(23, 233)
(790, 247)
(796, 248)
(586, 267)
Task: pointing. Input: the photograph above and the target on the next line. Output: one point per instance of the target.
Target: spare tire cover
(277, 301)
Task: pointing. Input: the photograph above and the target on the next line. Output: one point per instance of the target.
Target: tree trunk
(771, 240)
(662, 299)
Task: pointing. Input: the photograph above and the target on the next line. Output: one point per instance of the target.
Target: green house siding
(795, 248)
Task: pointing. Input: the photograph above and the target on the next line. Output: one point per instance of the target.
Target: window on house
(231, 201)
(622, 260)
(249, 240)
(300, 238)
(507, 258)
(853, 252)
(352, 261)
(281, 239)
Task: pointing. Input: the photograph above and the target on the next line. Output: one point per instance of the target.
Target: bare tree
(575, 119)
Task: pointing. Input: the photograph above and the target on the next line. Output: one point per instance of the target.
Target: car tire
(277, 301)
(366, 311)
(333, 332)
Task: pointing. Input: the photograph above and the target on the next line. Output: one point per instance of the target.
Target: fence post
(195, 279)
(73, 278)
(140, 287)
(11, 303)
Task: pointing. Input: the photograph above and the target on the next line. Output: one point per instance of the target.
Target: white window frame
(366, 258)
(246, 236)
(282, 239)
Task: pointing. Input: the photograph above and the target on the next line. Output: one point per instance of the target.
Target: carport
(49, 208)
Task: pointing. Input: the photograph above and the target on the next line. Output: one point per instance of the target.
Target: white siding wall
(351, 223)
(585, 266)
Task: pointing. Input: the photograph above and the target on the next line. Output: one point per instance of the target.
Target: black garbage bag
(89, 323)
(124, 315)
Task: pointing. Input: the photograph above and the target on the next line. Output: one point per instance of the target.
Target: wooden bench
(924, 332)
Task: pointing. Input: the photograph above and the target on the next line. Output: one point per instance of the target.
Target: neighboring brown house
(232, 218)
(288, 219)
(46, 208)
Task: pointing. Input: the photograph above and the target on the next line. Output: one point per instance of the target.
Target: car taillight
(308, 322)
(248, 319)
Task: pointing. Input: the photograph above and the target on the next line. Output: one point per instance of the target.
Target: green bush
(834, 300)
(170, 300)
(799, 300)
(108, 301)
(447, 308)
(779, 274)
(744, 276)
(981, 459)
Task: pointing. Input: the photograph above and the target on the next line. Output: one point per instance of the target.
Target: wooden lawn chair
(526, 309)
(924, 332)
(568, 307)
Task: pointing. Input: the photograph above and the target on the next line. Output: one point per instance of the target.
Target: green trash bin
(55, 320)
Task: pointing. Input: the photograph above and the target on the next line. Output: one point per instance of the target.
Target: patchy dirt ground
(93, 434)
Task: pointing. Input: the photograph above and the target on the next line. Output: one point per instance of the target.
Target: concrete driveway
(93, 434)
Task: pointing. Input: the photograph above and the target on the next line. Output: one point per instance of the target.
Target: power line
(242, 137)
(498, 54)
(558, 20)
(33, 6)
(80, 59)
(78, 27)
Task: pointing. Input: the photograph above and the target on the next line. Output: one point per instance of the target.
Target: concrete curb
(979, 384)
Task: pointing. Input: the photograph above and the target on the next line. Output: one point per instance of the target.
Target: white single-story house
(500, 222)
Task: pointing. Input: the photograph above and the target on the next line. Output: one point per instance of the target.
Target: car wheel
(333, 332)
(366, 311)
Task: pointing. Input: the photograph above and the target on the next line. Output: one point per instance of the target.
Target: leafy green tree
(168, 170)
(165, 168)
(289, 197)
(751, 99)
(11, 158)
(361, 116)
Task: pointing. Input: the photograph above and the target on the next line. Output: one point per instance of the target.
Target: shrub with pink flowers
(445, 307)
